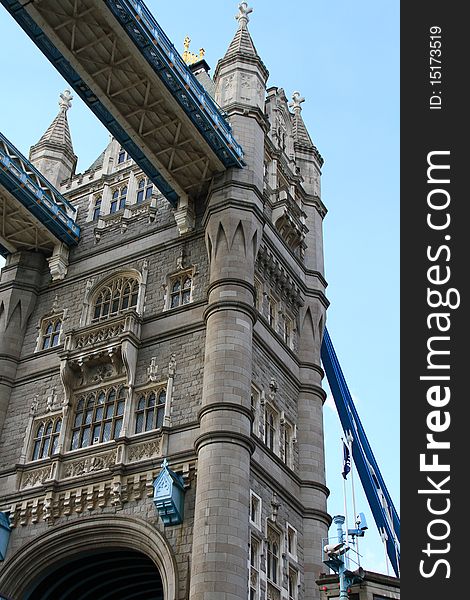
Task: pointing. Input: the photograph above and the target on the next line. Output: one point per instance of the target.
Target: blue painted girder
(35, 193)
(367, 467)
(154, 45)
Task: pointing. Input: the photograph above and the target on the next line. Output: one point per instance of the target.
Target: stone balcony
(101, 351)
(289, 220)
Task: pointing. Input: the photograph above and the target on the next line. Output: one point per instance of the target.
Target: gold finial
(189, 57)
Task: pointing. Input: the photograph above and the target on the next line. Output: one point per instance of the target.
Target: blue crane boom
(380, 501)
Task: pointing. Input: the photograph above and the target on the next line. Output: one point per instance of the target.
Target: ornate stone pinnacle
(244, 11)
(65, 101)
(297, 100)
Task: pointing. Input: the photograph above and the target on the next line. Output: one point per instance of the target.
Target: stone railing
(86, 462)
(102, 333)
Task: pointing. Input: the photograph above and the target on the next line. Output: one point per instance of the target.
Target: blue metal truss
(35, 193)
(380, 501)
(154, 45)
(160, 53)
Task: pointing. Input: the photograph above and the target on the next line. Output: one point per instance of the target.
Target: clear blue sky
(343, 56)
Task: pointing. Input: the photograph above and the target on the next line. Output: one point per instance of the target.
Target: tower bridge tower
(164, 417)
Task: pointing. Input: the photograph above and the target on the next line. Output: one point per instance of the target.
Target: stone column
(19, 285)
(224, 446)
(311, 443)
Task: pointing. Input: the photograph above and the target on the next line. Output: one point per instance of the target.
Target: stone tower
(163, 399)
(53, 155)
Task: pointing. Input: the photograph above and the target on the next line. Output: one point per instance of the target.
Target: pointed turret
(307, 157)
(241, 75)
(53, 155)
(299, 131)
(242, 42)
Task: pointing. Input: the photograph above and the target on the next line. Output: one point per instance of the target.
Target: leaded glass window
(46, 438)
(270, 428)
(150, 411)
(255, 509)
(98, 416)
(115, 297)
(144, 190)
(180, 290)
(255, 407)
(122, 156)
(274, 543)
(292, 584)
(288, 437)
(271, 311)
(287, 331)
(254, 568)
(292, 541)
(51, 333)
(97, 208)
(118, 199)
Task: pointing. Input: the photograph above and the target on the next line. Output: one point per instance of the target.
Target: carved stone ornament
(36, 477)
(144, 451)
(59, 262)
(152, 370)
(90, 464)
(184, 216)
(101, 351)
(172, 366)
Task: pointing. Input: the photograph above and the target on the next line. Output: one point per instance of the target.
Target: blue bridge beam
(380, 501)
(120, 62)
(33, 214)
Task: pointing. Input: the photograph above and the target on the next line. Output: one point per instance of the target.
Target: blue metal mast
(380, 501)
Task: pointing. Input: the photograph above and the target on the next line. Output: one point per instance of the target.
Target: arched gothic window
(274, 544)
(115, 297)
(122, 156)
(180, 290)
(150, 411)
(97, 208)
(98, 417)
(270, 428)
(46, 438)
(144, 190)
(118, 199)
(51, 333)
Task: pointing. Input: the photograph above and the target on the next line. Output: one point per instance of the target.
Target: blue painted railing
(36, 194)
(155, 46)
(161, 54)
(159, 37)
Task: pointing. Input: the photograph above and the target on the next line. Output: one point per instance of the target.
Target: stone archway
(114, 574)
(108, 541)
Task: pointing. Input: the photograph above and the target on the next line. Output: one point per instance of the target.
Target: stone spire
(241, 75)
(242, 42)
(53, 155)
(300, 133)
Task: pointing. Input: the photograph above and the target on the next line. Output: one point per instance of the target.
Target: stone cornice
(225, 437)
(236, 108)
(231, 281)
(231, 305)
(231, 406)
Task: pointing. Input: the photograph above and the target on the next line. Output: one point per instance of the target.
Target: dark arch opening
(114, 574)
